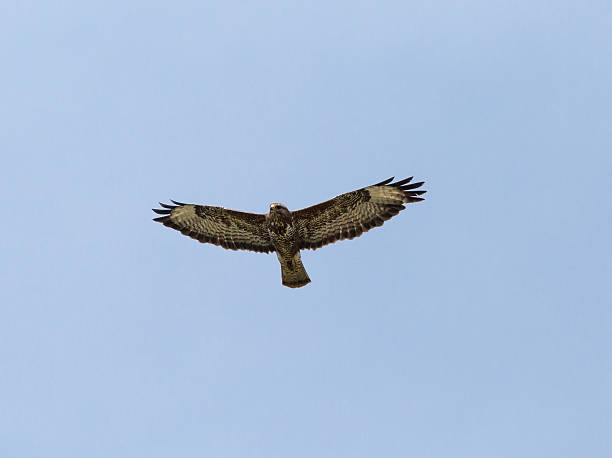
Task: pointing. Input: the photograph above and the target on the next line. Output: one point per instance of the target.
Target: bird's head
(278, 209)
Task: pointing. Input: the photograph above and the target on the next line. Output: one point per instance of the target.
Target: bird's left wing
(353, 213)
(230, 229)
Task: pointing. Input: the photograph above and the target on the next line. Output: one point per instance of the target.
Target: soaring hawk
(285, 232)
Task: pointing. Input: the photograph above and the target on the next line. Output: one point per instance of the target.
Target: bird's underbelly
(288, 252)
(285, 247)
(286, 244)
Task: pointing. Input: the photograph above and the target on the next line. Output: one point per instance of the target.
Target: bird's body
(345, 216)
(285, 238)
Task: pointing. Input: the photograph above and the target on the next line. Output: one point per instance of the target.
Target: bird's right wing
(230, 229)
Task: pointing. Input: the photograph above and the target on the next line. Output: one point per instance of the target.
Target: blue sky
(474, 324)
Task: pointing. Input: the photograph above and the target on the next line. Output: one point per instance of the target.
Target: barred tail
(292, 271)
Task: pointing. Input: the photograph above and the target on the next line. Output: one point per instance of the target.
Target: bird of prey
(287, 232)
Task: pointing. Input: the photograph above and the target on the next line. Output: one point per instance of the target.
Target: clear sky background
(477, 323)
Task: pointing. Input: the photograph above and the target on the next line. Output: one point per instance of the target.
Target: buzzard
(287, 232)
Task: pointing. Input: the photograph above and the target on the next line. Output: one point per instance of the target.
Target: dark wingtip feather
(177, 203)
(384, 182)
(402, 182)
(167, 206)
(161, 219)
(161, 212)
(412, 186)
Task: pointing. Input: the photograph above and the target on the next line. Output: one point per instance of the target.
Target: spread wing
(227, 228)
(350, 215)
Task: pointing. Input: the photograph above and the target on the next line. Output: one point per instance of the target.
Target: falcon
(287, 232)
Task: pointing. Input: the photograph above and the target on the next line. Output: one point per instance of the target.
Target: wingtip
(402, 182)
(384, 182)
(406, 187)
(161, 212)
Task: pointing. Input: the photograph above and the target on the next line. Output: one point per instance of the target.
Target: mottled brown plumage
(343, 217)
